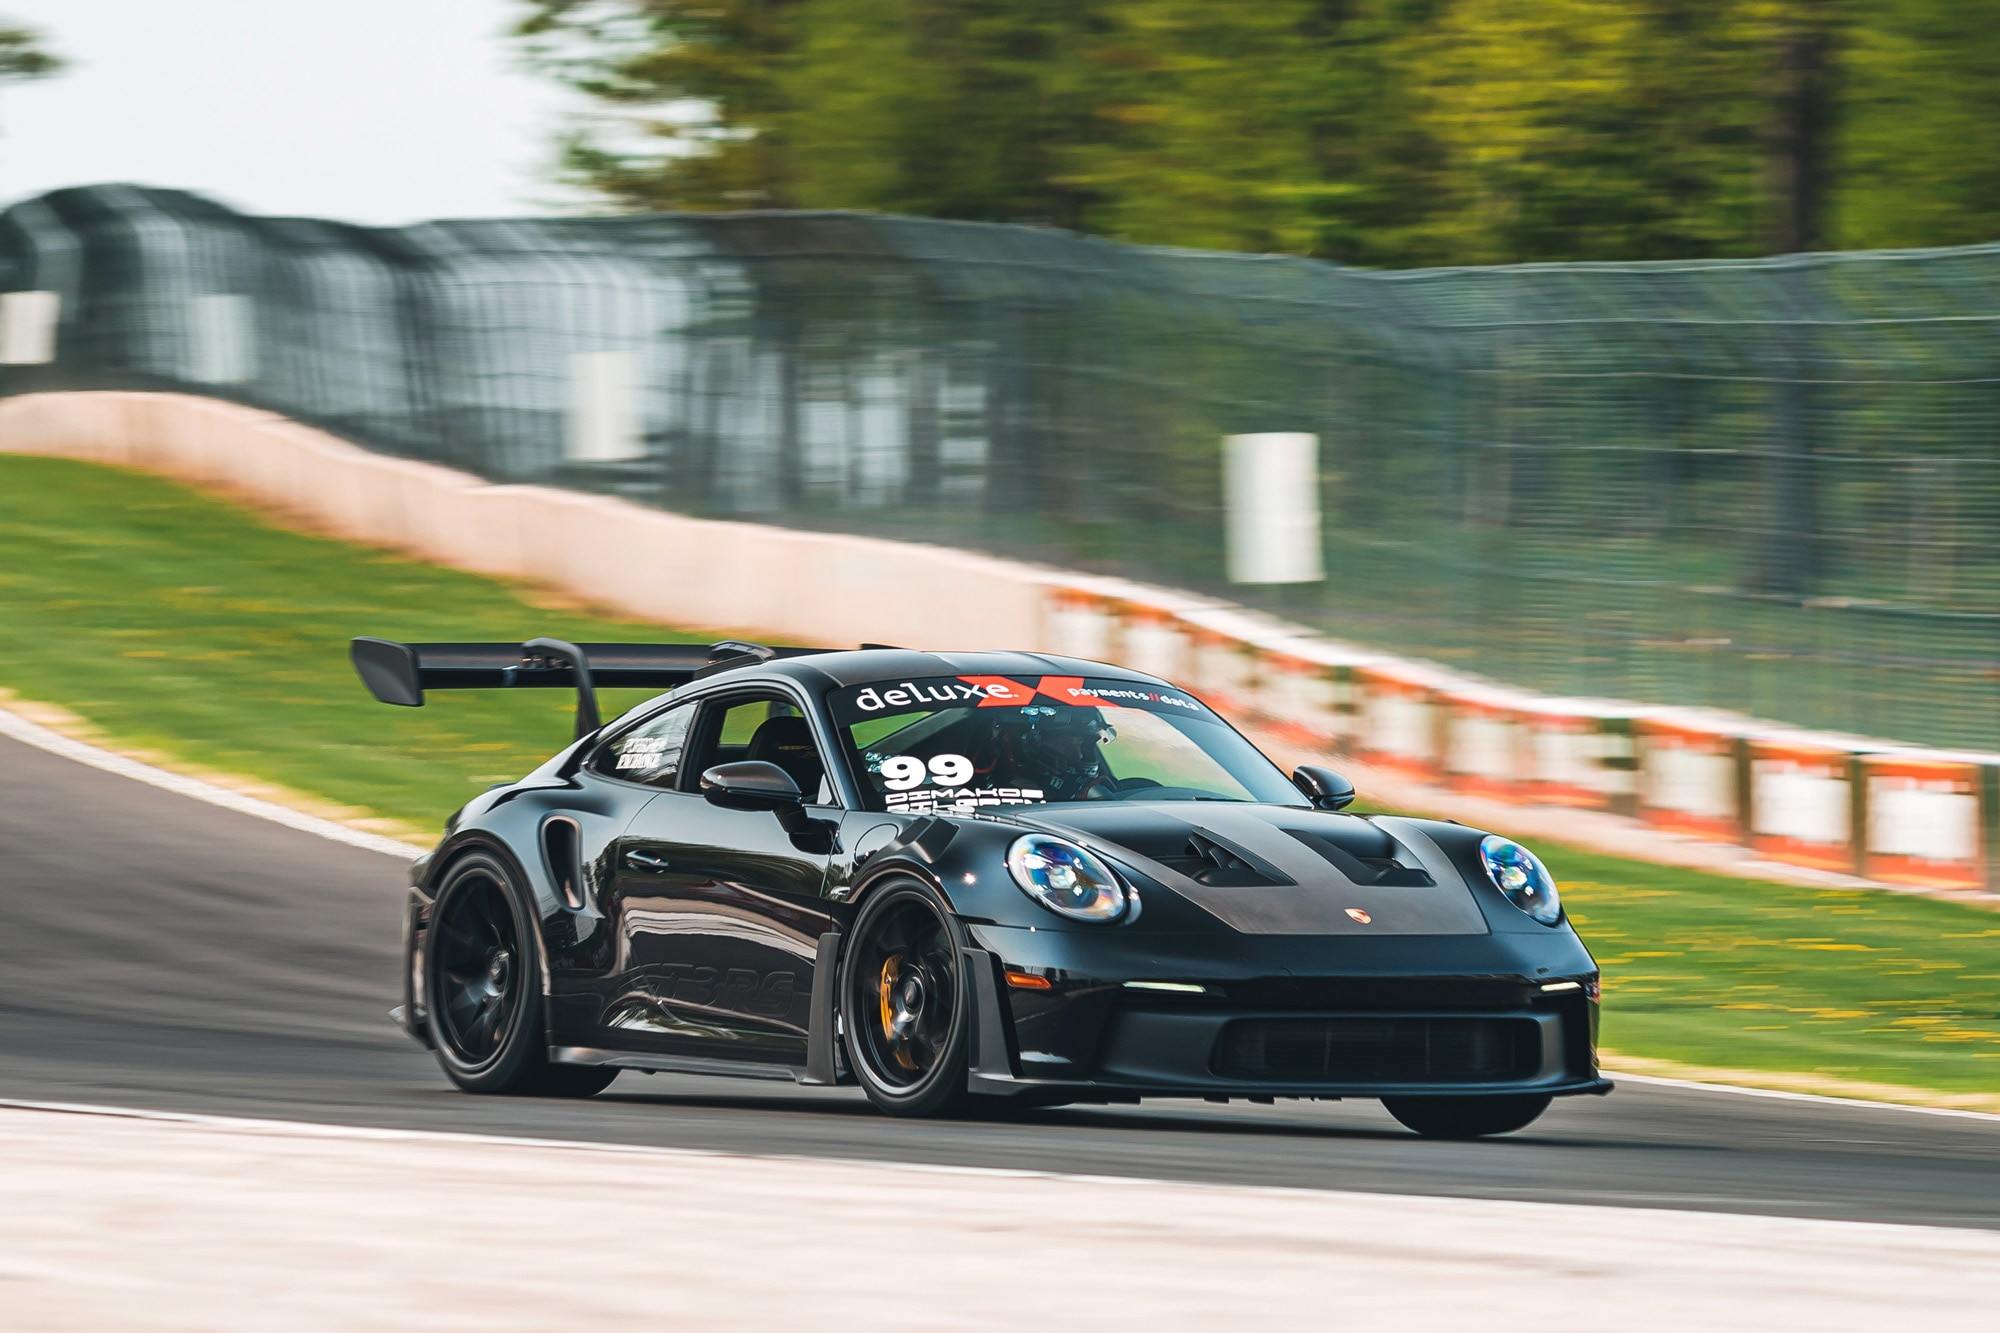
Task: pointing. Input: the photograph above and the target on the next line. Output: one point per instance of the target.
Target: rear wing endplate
(400, 673)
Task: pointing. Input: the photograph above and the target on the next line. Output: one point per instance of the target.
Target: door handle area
(646, 861)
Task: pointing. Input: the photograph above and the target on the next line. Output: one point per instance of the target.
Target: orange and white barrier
(1304, 693)
(1929, 814)
(1082, 624)
(1222, 664)
(1690, 774)
(1154, 641)
(1486, 746)
(1803, 801)
(1400, 726)
(1581, 753)
(1896, 814)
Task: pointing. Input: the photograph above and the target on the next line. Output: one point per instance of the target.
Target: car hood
(1280, 870)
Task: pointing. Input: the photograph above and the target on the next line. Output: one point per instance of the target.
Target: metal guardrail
(1767, 486)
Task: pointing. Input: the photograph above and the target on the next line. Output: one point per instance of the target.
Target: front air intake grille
(1363, 1050)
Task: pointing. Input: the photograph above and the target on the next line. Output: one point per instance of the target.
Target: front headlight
(1519, 874)
(1066, 879)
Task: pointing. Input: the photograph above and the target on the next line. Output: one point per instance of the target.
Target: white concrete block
(1078, 630)
(1155, 647)
(1271, 499)
(1928, 820)
(1398, 724)
(221, 339)
(1691, 781)
(28, 323)
(1794, 801)
(604, 425)
(1483, 746)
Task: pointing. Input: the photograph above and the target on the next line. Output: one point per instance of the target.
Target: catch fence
(1769, 486)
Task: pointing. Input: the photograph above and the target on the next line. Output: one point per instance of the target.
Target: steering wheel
(1108, 788)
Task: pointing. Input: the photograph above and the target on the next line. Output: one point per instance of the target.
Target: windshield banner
(938, 692)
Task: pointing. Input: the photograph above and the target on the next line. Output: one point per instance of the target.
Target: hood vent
(1380, 866)
(1205, 860)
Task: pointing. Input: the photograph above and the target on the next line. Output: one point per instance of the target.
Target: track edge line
(1781, 1094)
(19, 728)
(308, 1129)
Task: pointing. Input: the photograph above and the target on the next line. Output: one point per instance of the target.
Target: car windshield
(956, 743)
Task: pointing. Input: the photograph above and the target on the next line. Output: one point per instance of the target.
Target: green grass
(1708, 970)
(180, 623)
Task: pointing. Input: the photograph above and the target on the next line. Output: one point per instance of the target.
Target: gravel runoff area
(137, 1222)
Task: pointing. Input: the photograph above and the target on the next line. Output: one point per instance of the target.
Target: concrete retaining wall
(817, 587)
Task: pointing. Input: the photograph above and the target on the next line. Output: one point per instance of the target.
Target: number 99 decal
(905, 771)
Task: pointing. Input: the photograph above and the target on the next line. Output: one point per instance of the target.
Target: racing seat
(788, 743)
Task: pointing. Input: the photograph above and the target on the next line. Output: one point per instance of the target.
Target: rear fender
(455, 849)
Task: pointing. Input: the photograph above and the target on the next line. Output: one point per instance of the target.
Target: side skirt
(675, 1064)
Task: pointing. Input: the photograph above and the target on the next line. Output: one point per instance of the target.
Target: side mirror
(752, 784)
(1326, 789)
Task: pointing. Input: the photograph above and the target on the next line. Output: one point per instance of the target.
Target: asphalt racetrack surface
(157, 952)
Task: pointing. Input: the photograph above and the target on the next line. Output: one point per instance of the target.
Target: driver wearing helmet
(1052, 748)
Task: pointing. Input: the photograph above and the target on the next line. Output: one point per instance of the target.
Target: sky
(379, 111)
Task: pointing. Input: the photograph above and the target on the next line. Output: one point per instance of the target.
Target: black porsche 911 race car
(963, 880)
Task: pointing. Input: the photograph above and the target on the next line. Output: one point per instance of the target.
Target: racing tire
(905, 1009)
(482, 996)
(1467, 1117)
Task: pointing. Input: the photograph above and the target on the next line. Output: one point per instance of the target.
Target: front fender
(965, 861)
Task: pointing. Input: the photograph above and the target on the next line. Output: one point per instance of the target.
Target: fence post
(1788, 564)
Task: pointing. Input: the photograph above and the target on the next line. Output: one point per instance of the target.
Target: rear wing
(399, 673)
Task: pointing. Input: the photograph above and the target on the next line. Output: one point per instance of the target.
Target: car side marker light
(1026, 981)
(1185, 987)
(1549, 986)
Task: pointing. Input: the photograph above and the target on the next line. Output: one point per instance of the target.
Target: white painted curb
(1775, 1094)
(42, 738)
(380, 1134)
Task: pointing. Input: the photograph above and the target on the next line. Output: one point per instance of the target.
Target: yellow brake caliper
(892, 968)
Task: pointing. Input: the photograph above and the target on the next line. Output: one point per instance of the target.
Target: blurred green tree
(22, 54)
(695, 88)
(946, 108)
(1921, 93)
(1383, 132)
(1597, 129)
(1285, 126)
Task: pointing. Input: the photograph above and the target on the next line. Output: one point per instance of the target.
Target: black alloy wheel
(1467, 1117)
(483, 990)
(904, 1008)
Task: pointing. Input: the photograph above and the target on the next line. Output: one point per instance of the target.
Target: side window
(650, 752)
(772, 730)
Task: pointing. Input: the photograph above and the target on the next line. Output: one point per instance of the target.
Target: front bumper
(1260, 1031)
